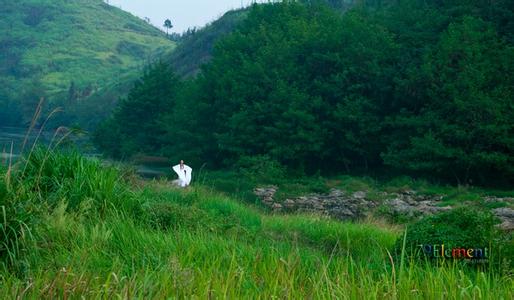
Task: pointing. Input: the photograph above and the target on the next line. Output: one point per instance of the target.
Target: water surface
(15, 137)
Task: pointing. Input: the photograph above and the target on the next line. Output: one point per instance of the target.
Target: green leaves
(464, 124)
(421, 88)
(282, 83)
(136, 125)
(459, 228)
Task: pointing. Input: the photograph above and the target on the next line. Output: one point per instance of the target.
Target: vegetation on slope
(67, 51)
(313, 90)
(75, 228)
(197, 45)
(196, 49)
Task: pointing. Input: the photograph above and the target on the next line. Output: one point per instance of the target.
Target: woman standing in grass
(184, 174)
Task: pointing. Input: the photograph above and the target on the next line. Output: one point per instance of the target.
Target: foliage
(466, 125)
(196, 46)
(419, 88)
(15, 219)
(460, 227)
(136, 126)
(169, 215)
(14, 216)
(261, 169)
(168, 25)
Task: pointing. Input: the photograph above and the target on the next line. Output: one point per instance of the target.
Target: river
(15, 137)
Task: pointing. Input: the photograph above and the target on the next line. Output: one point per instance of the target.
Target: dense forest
(423, 87)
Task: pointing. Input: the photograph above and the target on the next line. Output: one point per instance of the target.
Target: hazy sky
(182, 13)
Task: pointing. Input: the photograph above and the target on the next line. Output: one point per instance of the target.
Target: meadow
(72, 227)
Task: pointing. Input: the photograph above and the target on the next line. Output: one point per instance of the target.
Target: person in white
(184, 174)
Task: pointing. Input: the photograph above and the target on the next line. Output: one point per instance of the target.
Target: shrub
(261, 168)
(395, 217)
(461, 227)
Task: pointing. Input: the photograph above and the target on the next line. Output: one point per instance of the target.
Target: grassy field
(71, 227)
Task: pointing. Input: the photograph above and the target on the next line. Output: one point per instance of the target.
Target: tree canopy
(419, 87)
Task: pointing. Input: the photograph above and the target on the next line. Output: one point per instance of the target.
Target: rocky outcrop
(411, 204)
(337, 204)
(347, 206)
(266, 194)
(344, 206)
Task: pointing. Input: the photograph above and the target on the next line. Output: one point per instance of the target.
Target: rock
(428, 208)
(504, 212)
(507, 226)
(336, 193)
(340, 205)
(277, 206)
(411, 207)
(266, 194)
(342, 213)
(289, 204)
(359, 195)
(500, 200)
(399, 206)
(506, 215)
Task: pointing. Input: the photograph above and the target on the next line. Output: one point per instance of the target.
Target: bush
(261, 168)
(461, 227)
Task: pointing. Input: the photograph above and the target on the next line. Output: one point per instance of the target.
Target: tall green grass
(93, 235)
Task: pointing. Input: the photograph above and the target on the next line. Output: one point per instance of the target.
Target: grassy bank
(71, 227)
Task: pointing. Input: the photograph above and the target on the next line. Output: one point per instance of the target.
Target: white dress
(184, 174)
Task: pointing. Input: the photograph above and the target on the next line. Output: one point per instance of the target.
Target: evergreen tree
(136, 123)
(466, 125)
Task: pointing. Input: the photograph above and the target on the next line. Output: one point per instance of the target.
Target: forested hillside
(196, 48)
(198, 44)
(67, 51)
(420, 87)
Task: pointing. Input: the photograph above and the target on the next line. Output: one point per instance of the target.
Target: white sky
(182, 13)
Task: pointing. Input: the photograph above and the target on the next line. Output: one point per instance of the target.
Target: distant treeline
(418, 86)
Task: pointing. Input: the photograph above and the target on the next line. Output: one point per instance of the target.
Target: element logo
(440, 251)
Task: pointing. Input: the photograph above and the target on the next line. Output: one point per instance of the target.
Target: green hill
(69, 49)
(196, 48)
